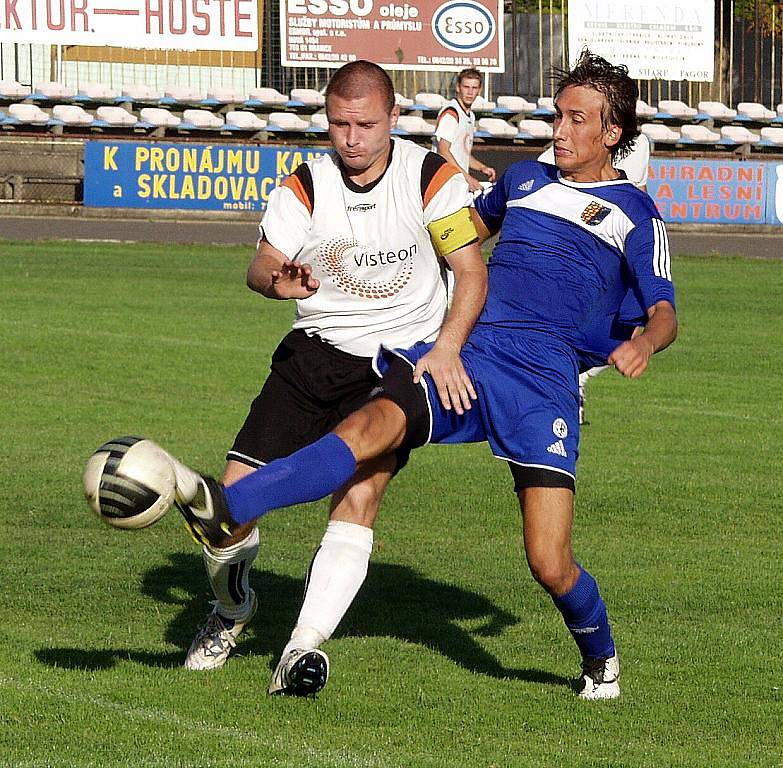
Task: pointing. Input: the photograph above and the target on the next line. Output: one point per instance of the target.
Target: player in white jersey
(355, 238)
(456, 126)
(635, 165)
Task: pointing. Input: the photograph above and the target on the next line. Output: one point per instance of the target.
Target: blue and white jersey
(580, 261)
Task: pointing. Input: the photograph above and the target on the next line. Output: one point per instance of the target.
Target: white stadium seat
(268, 96)
(183, 93)
(676, 108)
(246, 120)
(72, 114)
(739, 134)
(482, 105)
(516, 104)
(11, 89)
(496, 127)
(320, 120)
(546, 103)
(754, 111)
(116, 116)
(429, 100)
(52, 90)
(225, 95)
(402, 101)
(28, 113)
(308, 97)
(716, 109)
(287, 121)
(779, 110)
(699, 134)
(97, 91)
(415, 124)
(159, 117)
(141, 92)
(774, 135)
(643, 109)
(534, 129)
(203, 118)
(656, 132)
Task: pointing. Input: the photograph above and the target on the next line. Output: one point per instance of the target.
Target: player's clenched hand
(294, 280)
(454, 386)
(631, 357)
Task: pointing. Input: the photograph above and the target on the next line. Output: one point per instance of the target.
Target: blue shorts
(528, 402)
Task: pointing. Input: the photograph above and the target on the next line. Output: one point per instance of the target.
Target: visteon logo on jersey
(463, 25)
(366, 272)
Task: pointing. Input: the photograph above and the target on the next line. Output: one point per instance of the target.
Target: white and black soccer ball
(129, 482)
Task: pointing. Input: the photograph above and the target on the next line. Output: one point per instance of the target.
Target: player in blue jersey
(581, 260)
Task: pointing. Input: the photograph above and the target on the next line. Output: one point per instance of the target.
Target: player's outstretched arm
(274, 275)
(631, 357)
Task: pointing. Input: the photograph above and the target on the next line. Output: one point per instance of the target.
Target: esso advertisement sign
(463, 25)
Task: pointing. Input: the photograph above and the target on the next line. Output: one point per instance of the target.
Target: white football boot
(300, 673)
(216, 639)
(600, 678)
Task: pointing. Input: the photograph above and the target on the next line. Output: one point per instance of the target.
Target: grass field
(451, 656)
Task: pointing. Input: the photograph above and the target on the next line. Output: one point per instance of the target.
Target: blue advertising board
(204, 177)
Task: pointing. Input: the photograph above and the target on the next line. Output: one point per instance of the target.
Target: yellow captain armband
(452, 232)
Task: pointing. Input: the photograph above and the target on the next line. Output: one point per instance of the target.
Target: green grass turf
(451, 656)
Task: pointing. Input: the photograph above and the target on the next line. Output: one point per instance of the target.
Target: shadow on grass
(394, 601)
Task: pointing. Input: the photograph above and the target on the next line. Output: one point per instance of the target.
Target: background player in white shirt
(636, 166)
(355, 238)
(455, 127)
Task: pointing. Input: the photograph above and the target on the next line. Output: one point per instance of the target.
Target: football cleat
(216, 639)
(300, 673)
(206, 516)
(600, 678)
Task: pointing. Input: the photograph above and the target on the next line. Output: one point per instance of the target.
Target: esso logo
(463, 25)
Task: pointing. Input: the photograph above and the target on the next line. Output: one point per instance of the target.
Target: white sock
(337, 572)
(228, 571)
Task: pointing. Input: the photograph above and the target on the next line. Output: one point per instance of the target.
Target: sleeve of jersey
(288, 218)
(491, 206)
(648, 256)
(448, 122)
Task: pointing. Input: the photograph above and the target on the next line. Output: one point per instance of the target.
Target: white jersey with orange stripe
(456, 126)
(381, 279)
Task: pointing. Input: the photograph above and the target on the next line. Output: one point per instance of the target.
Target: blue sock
(311, 473)
(585, 616)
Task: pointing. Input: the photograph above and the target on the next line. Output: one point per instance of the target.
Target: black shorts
(311, 388)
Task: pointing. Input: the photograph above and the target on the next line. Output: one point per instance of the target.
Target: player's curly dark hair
(359, 78)
(620, 91)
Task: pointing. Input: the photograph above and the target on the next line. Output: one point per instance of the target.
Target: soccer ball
(129, 482)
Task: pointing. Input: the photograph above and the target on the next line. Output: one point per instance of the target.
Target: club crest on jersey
(595, 213)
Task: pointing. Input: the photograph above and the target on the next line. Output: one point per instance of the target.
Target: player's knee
(358, 505)
(555, 574)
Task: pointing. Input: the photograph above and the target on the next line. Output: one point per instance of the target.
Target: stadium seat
(716, 110)
(182, 94)
(222, 95)
(308, 97)
(515, 104)
(246, 121)
(675, 108)
(482, 105)
(415, 124)
(286, 121)
(497, 127)
(545, 106)
(772, 136)
(141, 92)
(660, 134)
(11, 89)
(96, 92)
(751, 110)
(159, 117)
(738, 134)
(426, 100)
(50, 90)
(534, 129)
(28, 113)
(268, 96)
(643, 109)
(402, 101)
(116, 117)
(202, 119)
(72, 114)
(699, 134)
(320, 121)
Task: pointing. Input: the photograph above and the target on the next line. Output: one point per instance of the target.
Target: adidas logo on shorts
(558, 448)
